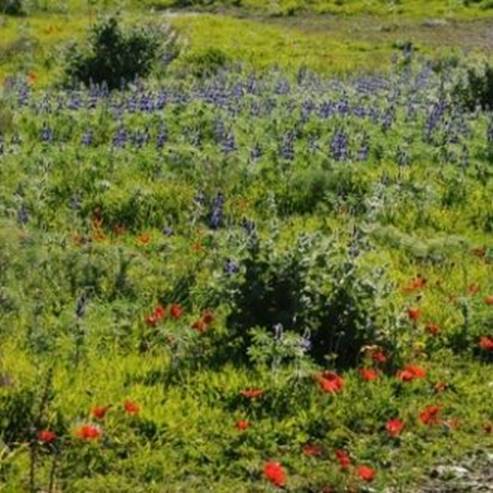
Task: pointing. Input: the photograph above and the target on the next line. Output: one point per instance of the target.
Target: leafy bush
(114, 56)
(12, 7)
(477, 88)
(316, 286)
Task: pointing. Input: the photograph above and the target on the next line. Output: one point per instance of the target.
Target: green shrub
(12, 7)
(477, 89)
(113, 55)
(316, 286)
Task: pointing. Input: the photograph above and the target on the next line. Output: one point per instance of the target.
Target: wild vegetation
(221, 273)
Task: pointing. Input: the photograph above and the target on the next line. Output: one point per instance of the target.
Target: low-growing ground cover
(232, 280)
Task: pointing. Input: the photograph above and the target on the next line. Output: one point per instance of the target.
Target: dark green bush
(12, 7)
(315, 286)
(113, 55)
(477, 88)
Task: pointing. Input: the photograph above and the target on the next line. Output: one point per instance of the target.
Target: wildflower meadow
(233, 262)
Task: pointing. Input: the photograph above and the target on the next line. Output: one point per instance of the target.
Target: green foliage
(207, 62)
(12, 7)
(112, 55)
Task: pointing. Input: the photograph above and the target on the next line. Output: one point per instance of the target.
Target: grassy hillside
(267, 267)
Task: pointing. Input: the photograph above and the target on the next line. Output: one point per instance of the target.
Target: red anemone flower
(330, 382)
(208, 317)
(411, 372)
(415, 284)
(432, 328)
(275, 473)
(199, 325)
(159, 312)
(131, 407)
(252, 393)
(88, 432)
(378, 356)
(242, 424)
(486, 343)
(366, 473)
(368, 374)
(343, 458)
(176, 311)
(429, 415)
(47, 436)
(99, 412)
(414, 314)
(394, 427)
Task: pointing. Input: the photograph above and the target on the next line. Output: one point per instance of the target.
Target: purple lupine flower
(231, 267)
(23, 215)
(87, 138)
(120, 138)
(339, 146)
(229, 143)
(216, 218)
(287, 146)
(256, 152)
(47, 134)
(249, 226)
(162, 138)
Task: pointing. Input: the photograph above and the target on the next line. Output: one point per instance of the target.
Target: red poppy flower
(275, 473)
(159, 312)
(330, 382)
(208, 317)
(366, 473)
(144, 239)
(414, 314)
(415, 284)
(343, 458)
(46, 436)
(131, 407)
(312, 450)
(368, 374)
(432, 328)
(394, 427)
(486, 343)
(176, 311)
(489, 299)
(88, 432)
(473, 288)
(378, 356)
(199, 325)
(242, 424)
(252, 393)
(99, 412)
(411, 372)
(429, 415)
